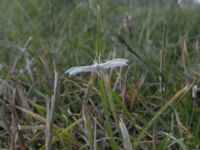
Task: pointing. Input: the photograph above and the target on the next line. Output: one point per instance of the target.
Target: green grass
(41, 107)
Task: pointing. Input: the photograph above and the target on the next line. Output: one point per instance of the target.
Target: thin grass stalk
(15, 125)
(123, 41)
(95, 134)
(98, 50)
(50, 111)
(53, 100)
(162, 51)
(48, 129)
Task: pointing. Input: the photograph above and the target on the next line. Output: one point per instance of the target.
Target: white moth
(118, 62)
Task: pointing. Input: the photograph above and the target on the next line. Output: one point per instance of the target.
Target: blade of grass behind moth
(125, 110)
(109, 95)
(122, 40)
(148, 63)
(179, 95)
(89, 87)
(125, 135)
(106, 114)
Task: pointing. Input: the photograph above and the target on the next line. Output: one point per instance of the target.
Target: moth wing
(119, 62)
(79, 69)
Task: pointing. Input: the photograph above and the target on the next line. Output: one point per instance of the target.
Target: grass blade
(107, 114)
(177, 96)
(125, 135)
